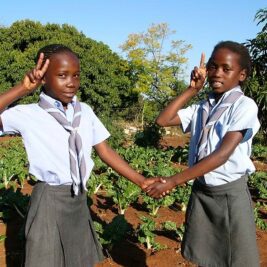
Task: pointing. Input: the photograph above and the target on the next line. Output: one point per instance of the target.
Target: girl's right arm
(31, 81)
(169, 116)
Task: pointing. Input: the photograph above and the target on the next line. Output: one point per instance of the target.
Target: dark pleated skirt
(220, 227)
(59, 230)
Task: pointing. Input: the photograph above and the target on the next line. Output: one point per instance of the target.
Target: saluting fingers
(40, 68)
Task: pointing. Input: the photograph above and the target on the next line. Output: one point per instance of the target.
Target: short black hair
(241, 50)
(52, 49)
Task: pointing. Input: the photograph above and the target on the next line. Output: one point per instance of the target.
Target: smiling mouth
(216, 84)
(69, 94)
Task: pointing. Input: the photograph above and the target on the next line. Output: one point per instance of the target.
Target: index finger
(40, 61)
(202, 60)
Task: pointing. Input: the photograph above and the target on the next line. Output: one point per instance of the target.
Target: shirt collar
(211, 97)
(57, 104)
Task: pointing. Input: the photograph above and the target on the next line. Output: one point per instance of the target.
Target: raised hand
(33, 78)
(198, 75)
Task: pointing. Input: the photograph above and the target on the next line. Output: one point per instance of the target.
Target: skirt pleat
(220, 228)
(59, 230)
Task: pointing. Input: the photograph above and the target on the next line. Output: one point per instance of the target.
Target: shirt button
(57, 104)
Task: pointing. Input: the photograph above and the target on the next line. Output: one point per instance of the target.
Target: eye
(77, 75)
(226, 69)
(211, 67)
(62, 75)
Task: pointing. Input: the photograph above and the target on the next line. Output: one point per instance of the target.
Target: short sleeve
(186, 115)
(11, 120)
(100, 133)
(245, 117)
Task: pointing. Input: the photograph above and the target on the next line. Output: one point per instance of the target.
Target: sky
(199, 23)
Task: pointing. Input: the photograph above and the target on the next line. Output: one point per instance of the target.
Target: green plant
(10, 201)
(261, 223)
(153, 204)
(123, 193)
(13, 163)
(181, 154)
(112, 233)
(145, 234)
(258, 181)
(171, 226)
(259, 152)
(95, 182)
(149, 136)
(181, 195)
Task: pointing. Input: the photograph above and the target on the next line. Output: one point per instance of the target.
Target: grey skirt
(220, 227)
(59, 230)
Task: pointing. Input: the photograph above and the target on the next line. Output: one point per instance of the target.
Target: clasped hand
(158, 187)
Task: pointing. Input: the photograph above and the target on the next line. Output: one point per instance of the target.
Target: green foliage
(13, 163)
(145, 234)
(95, 182)
(149, 160)
(182, 195)
(260, 222)
(155, 73)
(259, 152)
(117, 136)
(172, 227)
(104, 83)
(258, 181)
(13, 201)
(150, 136)
(153, 204)
(257, 86)
(112, 233)
(124, 193)
(181, 154)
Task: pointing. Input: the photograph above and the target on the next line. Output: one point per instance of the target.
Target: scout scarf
(208, 120)
(75, 142)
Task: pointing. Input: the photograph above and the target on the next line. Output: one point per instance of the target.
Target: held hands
(159, 189)
(198, 75)
(33, 78)
(149, 181)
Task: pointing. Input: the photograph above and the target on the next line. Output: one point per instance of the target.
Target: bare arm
(207, 164)
(31, 81)
(169, 117)
(112, 159)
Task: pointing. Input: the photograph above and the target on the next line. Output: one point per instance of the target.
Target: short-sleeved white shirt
(242, 115)
(46, 141)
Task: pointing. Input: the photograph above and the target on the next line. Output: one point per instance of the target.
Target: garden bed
(129, 252)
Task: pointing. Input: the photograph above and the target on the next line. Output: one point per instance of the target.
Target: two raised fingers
(199, 72)
(38, 72)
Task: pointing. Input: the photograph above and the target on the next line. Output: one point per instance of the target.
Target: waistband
(237, 185)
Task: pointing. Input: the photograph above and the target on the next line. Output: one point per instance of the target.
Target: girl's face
(62, 78)
(224, 71)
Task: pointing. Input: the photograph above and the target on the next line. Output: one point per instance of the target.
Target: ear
(243, 75)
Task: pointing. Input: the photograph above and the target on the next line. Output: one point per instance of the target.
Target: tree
(104, 83)
(257, 85)
(156, 72)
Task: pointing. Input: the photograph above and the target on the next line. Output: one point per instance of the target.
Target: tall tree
(156, 65)
(104, 83)
(257, 85)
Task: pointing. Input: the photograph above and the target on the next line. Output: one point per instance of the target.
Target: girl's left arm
(207, 164)
(113, 159)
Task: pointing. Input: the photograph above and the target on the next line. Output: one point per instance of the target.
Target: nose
(71, 82)
(218, 71)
